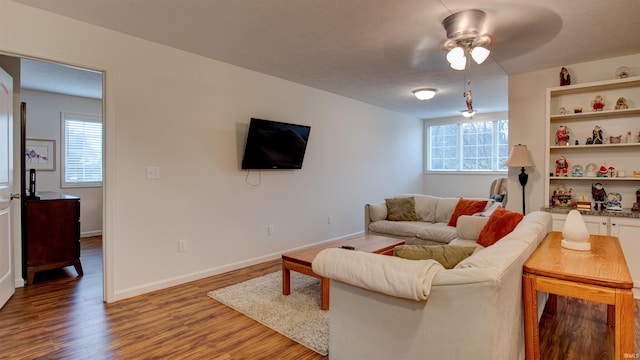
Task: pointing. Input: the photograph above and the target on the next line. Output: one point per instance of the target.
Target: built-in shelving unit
(625, 156)
(613, 123)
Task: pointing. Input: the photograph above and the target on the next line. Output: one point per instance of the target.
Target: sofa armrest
(374, 212)
(469, 227)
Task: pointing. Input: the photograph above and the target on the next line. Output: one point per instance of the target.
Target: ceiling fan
(465, 38)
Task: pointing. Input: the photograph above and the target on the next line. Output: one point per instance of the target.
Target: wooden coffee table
(599, 275)
(300, 260)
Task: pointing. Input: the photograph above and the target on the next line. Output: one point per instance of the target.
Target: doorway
(54, 95)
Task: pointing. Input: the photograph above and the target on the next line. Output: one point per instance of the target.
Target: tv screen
(275, 145)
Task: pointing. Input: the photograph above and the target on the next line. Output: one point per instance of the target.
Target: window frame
(459, 122)
(64, 116)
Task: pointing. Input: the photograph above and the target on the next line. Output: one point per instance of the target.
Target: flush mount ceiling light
(425, 94)
(463, 31)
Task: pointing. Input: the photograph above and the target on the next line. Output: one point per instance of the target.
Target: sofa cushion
(466, 207)
(426, 207)
(469, 227)
(447, 255)
(378, 211)
(401, 209)
(500, 223)
(396, 228)
(439, 232)
(445, 208)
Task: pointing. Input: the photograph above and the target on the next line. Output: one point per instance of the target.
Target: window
(81, 154)
(468, 146)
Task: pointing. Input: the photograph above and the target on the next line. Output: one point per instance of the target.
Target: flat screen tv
(275, 145)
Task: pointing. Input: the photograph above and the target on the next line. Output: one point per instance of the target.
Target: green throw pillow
(401, 209)
(447, 255)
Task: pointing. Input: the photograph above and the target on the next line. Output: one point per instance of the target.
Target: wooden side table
(600, 274)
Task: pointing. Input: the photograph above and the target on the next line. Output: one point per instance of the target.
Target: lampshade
(519, 157)
(425, 94)
(575, 232)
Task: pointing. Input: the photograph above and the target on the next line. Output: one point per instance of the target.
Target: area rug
(296, 316)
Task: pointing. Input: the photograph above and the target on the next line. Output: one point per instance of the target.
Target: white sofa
(473, 311)
(432, 212)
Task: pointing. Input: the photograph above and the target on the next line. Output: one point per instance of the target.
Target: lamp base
(573, 245)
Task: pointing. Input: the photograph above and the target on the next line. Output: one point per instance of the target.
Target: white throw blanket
(409, 279)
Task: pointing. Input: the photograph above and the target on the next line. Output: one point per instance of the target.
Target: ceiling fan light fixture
(480, 54)
(425, 93)
(467, 113)
(459, 64)
(455, 55)
(463, 33)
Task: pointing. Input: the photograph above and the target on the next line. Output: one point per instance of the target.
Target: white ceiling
(375, 51)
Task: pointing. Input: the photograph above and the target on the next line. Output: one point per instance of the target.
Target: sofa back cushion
(469, 227)
(445, 208)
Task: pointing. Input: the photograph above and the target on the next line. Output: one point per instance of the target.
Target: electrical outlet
(270, 229)
(182, 245)
(153, 172)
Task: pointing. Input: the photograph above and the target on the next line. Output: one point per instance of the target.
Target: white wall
(43, 122)
(527, 107)
(188, 115)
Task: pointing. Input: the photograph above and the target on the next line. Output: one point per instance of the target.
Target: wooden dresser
(52, 238)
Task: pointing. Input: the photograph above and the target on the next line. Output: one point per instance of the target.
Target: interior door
(7, 279)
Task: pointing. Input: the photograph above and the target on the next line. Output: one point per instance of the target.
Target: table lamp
(519, 157)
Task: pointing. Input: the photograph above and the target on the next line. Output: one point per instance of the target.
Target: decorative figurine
(562, 136)
(612, 172)
(577, 110)
(590, 141)
(562, 111)
(599, 196)
(577, 142)
(636, 205)
(621, 103)
(602, 171)
(562, 198)
(622, 72)
(467, 95)
(577, 171)
(562, 166)
(615, 139)
(565, 77)
(598, 103)
(628, 138)
(597, 135)
(614, 202)
(591, 170)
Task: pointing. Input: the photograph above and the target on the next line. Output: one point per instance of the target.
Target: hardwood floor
(61, 316)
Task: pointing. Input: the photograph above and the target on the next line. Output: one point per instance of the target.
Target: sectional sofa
(472, 311)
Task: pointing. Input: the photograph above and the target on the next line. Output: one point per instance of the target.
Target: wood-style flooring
(61, 316)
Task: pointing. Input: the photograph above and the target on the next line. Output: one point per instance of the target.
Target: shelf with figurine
(594, 114)
(593, 135)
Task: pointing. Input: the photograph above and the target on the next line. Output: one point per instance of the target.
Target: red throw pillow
(500, 223)
(466, 207)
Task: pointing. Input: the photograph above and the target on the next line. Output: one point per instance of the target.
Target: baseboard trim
(178, 280)
(90, 233)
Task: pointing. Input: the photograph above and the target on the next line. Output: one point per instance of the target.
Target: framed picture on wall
(40, 154)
